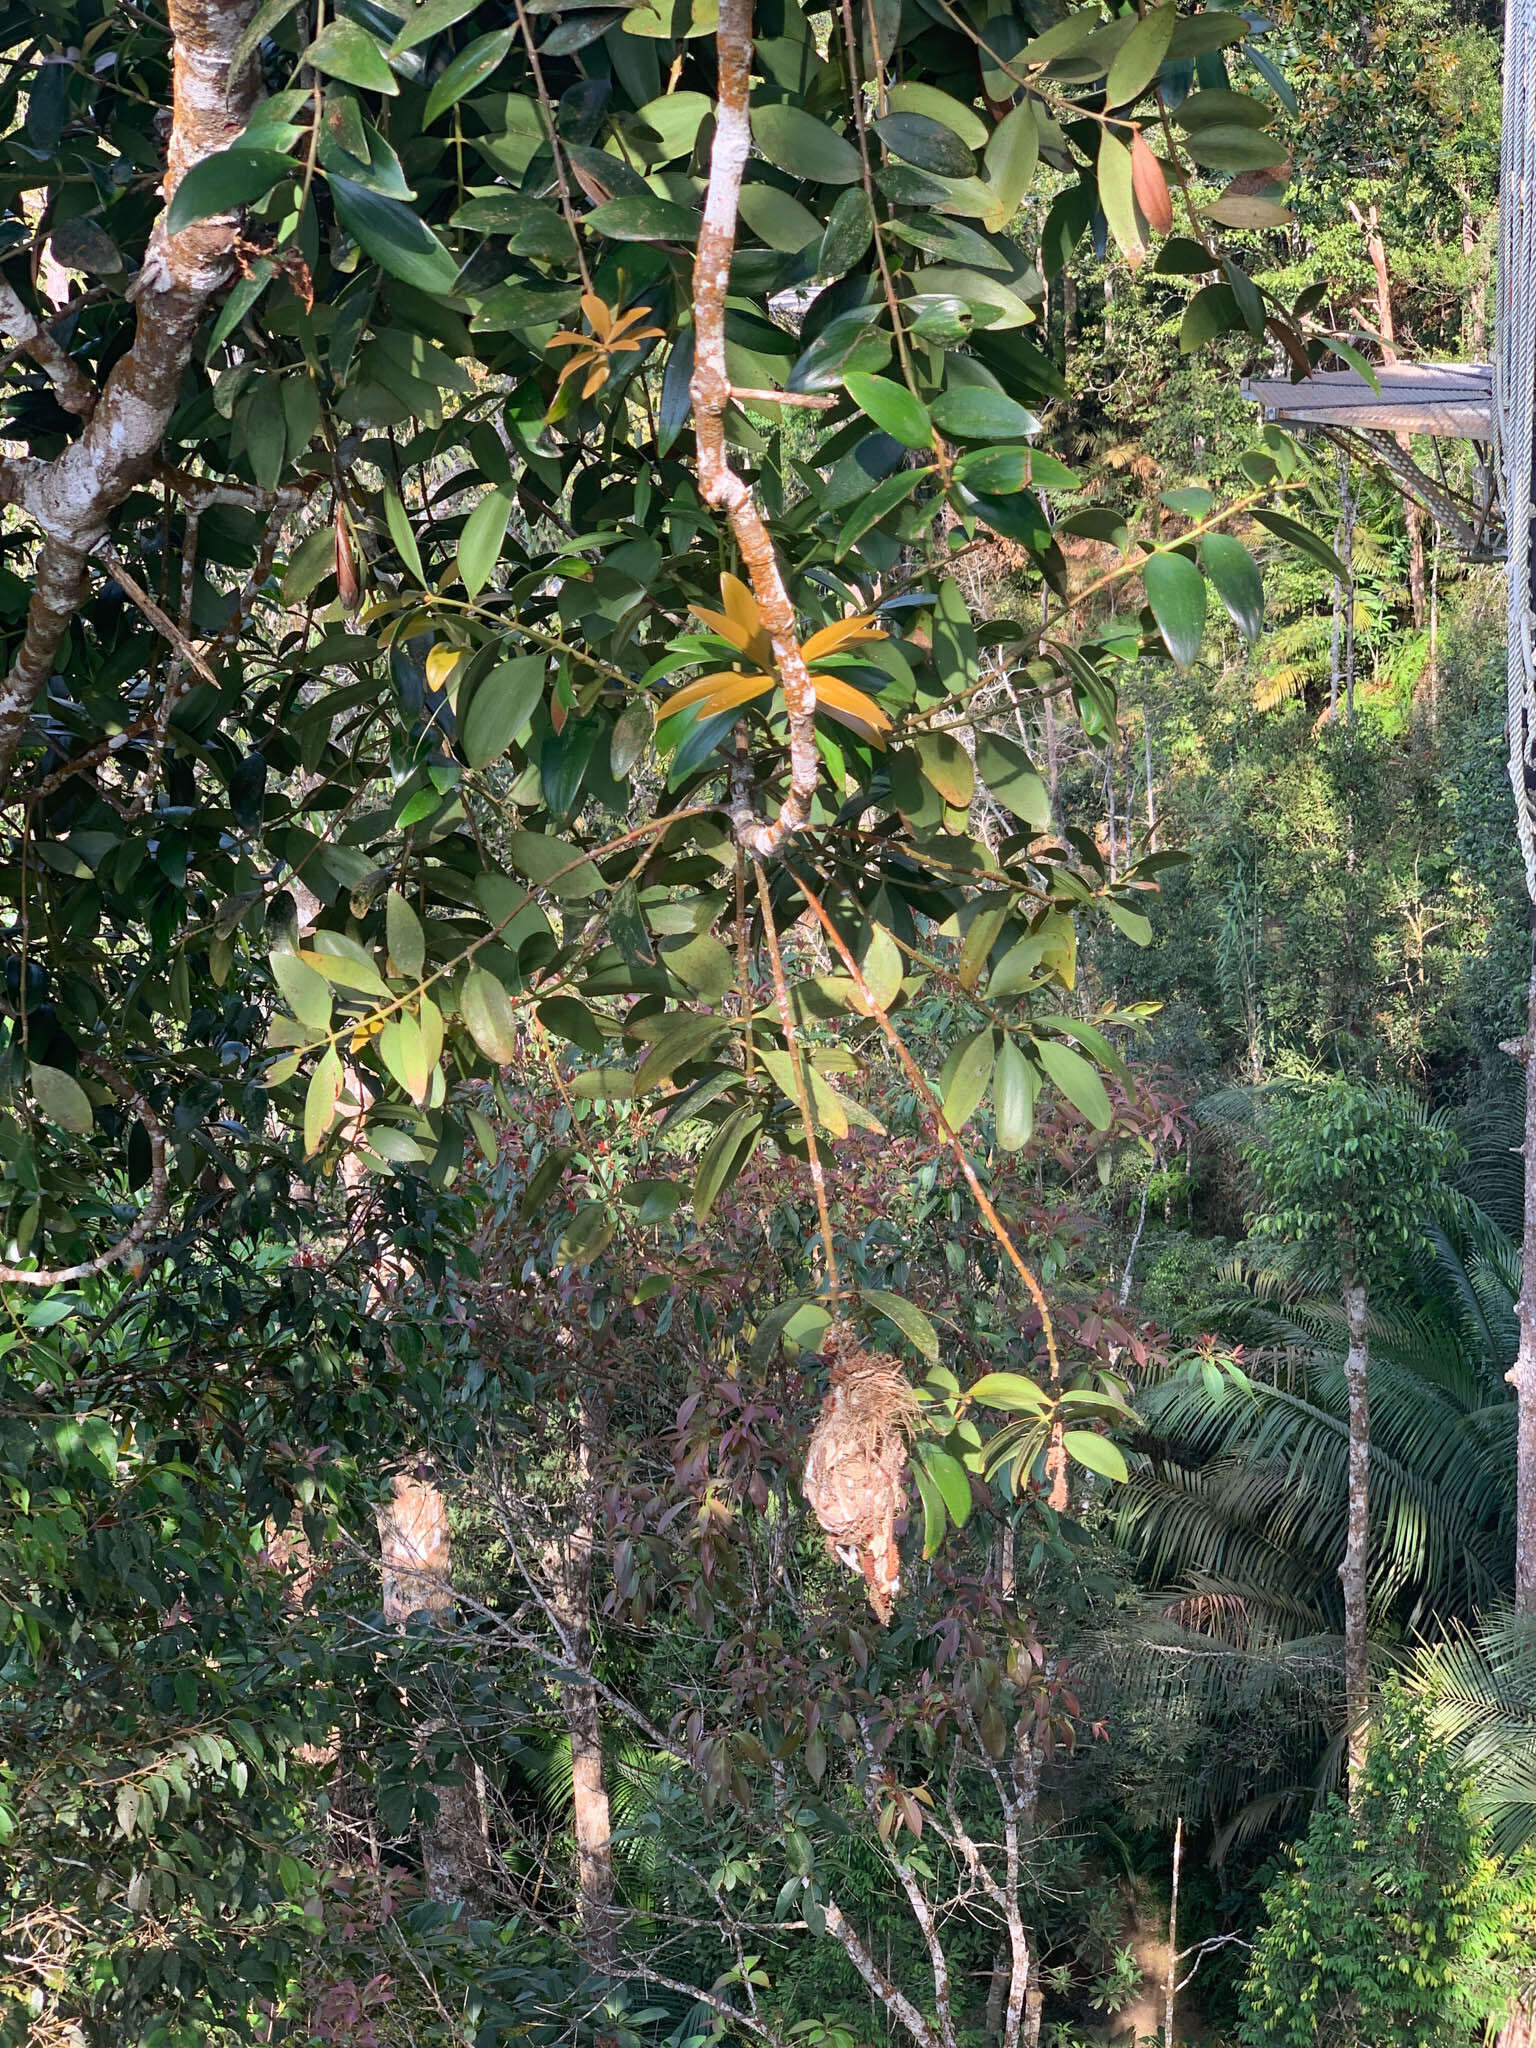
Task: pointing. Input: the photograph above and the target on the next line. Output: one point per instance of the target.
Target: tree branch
(73, 497)
(711, 394)
(71, 386)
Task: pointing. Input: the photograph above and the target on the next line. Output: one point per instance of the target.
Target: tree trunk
(1353, 1571)
(418, 1580)
(1522, 1374)
(571, 1604)
(1171, 1983)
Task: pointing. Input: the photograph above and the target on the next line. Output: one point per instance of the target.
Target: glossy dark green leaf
(472, 66)
(891, 406)
(1235, 577)
(919, 139)
(346, 51)
(1176, 592)
(397, 239)
(1303, 539)
(970, 412)
(229, 179)
(502, 704)
(805, 147)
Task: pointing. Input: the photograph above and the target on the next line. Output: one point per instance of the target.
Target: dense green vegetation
(762, 1193)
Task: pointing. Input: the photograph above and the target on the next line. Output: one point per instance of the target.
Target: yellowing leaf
(851, 707)
(441, 663)
(841, 633)
(722, 691)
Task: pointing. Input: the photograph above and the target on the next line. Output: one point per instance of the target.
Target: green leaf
(952, 1480)
(1211, 312)
(850, 231)
(485, 1135)
(489, 1016)
(1117, 196)
(970, 412)
(1096, 1452)
(1013, 1097)
(948, 767)
(1134, 923)
(631, 736)
(501, 707)
(1235, 576)
(320, 1100)
(1010, 1391)
(1176, 592)
(882, 968)
(1012, 779)
(1140, 56)
(1076, 1079)
(931, 145)
(1234, 146)
(892, 407)
(727, 1151)
(934, 1519)
(400, 533)
(397, 239)
(225, 181)
(968, 1082)
(429, 19)
(345, 51)
(61, 1098)
(261, 24)
(480, 543)
(805, 147)
(476, 61)
(1303, 538)
(907, 1317)
(405, 1055)
(587, 1234)
(706, 965)
(572, 1021)
(779, 219)
(306, 992)
(643, 217)
(309, 564)
(404, 936)
(555, 863)
(1012, 155)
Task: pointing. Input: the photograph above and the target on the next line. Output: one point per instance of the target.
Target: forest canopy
(763, 1255)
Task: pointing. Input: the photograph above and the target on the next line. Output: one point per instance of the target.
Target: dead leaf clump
(856, 1464)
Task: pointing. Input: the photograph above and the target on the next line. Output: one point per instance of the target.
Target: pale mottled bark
(73, 497)
(885, 1993)
(719, 484)
(417, 1563)
(1354, 1570)
(72, 387)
